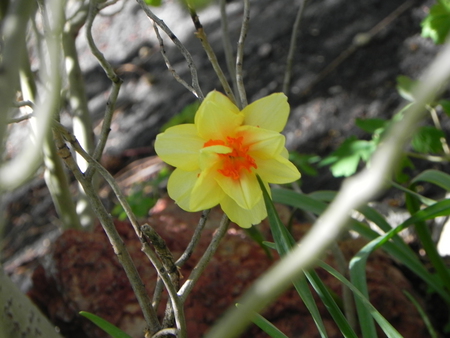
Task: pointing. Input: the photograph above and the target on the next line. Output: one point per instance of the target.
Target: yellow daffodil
(218, 157)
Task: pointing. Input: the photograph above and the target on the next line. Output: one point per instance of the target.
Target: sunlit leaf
(154, 3)
(344, 160)
(437, 24)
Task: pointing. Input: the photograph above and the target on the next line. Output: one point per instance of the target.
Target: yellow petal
(262, 143)
(180, 146)
(206, 193)
(217, 117)
(243, 217)
(270, 112)
(244, 191)
(180, 187)
(278, 170)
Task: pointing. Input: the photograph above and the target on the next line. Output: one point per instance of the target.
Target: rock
(83, 274)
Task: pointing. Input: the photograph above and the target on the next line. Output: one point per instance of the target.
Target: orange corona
(236, 160)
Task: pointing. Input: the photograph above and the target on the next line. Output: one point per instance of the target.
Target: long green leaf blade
(106, 326)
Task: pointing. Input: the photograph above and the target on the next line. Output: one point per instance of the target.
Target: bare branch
(293, 47)
(201, 35)
(203, 262)
(169, 66)
(179, 45)
(240, 55)
(227, 47)
(110, 230)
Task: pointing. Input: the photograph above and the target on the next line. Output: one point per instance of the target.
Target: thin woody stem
(240, 55)
(168, 64)
(113, 236)
(201, 265)
(293, 47)
(201, 35)
(178, 44)
(227, 47)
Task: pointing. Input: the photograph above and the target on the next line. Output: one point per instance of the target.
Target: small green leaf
(187, 115)
(106, 326)
(304, 162)
(405, 87)
(154, 3)
(371, 125)
(437, 24)
(344, 160)
(427, 139)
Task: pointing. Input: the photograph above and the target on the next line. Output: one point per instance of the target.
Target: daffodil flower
(218, 157)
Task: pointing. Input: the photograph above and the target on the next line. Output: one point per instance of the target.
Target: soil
(323, 105)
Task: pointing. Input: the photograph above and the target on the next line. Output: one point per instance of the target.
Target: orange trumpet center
(236, 160)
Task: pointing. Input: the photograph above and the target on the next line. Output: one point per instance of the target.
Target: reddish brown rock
(83, 274)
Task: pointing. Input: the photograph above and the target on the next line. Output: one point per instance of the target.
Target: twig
(201, 265)
(293, 47)
(163, 332)
(81, 119)
(177, 305)
(110, 230)
(68, 136)
(116, 80)
(335, 218)
(200, 34)
(227, 47)
(179, 45)
(240, 55)
(20, 118)
(194, 240)
(13, 173)
(169, 66)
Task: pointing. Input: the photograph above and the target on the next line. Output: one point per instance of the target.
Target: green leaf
(106, 326)
(358, 262)
(344, 160)
(435, 177)
(187, 115)
(422, 314)
(427, 139)
(388, 329)
(445, 104)
(258, 237)
(284, 243)
(405, 87)
(371, 125)
(437, 24)
(267, 326)
(154, 3)
(304, 162)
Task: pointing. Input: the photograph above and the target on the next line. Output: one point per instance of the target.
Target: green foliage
(154, 3)
(344, 160)
(405, 87)
(106, 326)
(427, 139)
(195, 4)
(437, 24)
(142, 198)
(304, 162)
(187, 115)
